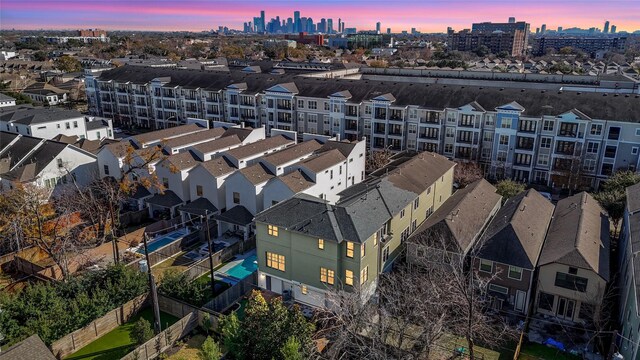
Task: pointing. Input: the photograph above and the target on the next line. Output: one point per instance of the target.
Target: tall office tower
(613, 29)
(413, 31)
(543, 29)
(322, 26)
(339, 25)
(297, 26)
(303, 24)
(263, 21)
(537, 31)
(289, 27)
(311, 27)
(378, 25)
(512, 20)
(559, 29)
(256, 24)
(606, 27)
(329, 26)
(389, 31)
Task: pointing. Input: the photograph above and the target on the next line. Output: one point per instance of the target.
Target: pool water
(163, 241)
(244, 269)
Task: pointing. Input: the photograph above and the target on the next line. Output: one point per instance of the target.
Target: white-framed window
(313, 105)
(545, 142)
(363, 250)
(504, 139)
(275, 261)
(596, 129)
(236, 197)
(272, 230)
(637, 131)
(515, 273)
(589, 164)
(486, 266)
(506, 123)
(300, 104)
(498, 289)
(592, 147)
(401, 213)
(350, 249)
(327, 276)
(634, 150)
(199, 190)
(543, 159)
(364, 275)
(348, 277)
(502, 156)
(547, 125)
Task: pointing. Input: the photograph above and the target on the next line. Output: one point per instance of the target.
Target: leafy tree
(291, 349)
(509, 188)
(177, 285)
(68, 64)
(40, 56)
(482, 51)
(265, 329)
(210, 350)
(141, 332)
(613, 197)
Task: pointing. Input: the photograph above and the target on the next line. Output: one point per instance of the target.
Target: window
(401, 213)
(58, 126)
(75, 124)
(498, 289)
(67, 126)
(589, 165)
(515, 273)
(300, 104)
(592, 147)
(362, 250)
(275, 261)
(634, 150)
(350, 249)
(304, 290)
(313, 105)
(106, 169)
(547, 125)
(614, 133)
(236, 197)
(637, 131)
(506, 123)
(385, 254)
(198, 190)
(610, 151)
(59, 161)
(571, 282)
(272, 230)
(543, 159)
(486, 265)
(545, 143)
(416, 203)
(326, 276)
(545, 301)
(321, 244)
(596, 129)
(364, 275)
(502, 156)
(326, 106)
(165, 182)
(348, 277)
(504, 139)
(375, 239)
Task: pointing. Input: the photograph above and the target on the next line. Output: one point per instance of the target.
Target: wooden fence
(221, 302)
(82, 337)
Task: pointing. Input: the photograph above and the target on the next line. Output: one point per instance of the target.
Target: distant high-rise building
(322, 26)
(514, 38)
(606, 27)
(413, 31)
(339, 25)
(378, 25)
(512, 20)
(613, 29)
(263, 22)
(296, 22)
(329, 26)
(537, 31)
(388, 30)
(559, 29)
(543, 29)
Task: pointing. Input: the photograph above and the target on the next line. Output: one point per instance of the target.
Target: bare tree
(378, 159)
(466, 173)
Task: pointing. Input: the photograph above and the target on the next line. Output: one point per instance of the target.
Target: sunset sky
(424, 15)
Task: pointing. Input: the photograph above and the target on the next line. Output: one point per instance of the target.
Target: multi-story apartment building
(511, 42)
(588, 44)
(556, 138)
(309, 248)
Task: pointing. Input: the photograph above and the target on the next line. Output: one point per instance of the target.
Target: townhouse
(48, 123)
(508, 251)
(43, 163)
(574, 262)
(309, 248)
(453, 229)
(629, 283)
(556, 138)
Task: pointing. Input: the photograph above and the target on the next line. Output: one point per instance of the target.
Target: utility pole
(206, 219)
(154, 293)
(114, 240)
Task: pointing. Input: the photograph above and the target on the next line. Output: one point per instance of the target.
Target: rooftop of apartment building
(625, 107)
(297, 181)
(218, 166)
(217, 144)
(259, 147)
(168, 133)
(460, 219)
(27, 115)
(292, 152)
(200, 136)
(516, 233)
(578, 235)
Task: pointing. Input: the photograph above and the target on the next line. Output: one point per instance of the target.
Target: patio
(544, 329)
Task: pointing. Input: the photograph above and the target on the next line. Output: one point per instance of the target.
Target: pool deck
(221, 273)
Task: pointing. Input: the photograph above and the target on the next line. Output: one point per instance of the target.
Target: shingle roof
(120, 148)
(578, 235)
(180, 161)
(199, 137)
(218, 166)
(4, 97)
(32, 348)
(345, 147)
(241, 133)
(460, 219)
(38, 115)
(97, 124)
(633, 198)
(259, 147)
(292, 152)
(238, 215)
(167, 199)
(516, 234)
(36, 161)
(324, 160)
(256, 173)
(167, 133)
(18, 150)
(201, 206)
(296, 180)
(217, 144)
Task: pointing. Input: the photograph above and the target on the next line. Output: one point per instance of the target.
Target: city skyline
(199, 15)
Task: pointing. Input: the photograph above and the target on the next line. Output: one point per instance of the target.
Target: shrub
(141, 332)
(210, 350)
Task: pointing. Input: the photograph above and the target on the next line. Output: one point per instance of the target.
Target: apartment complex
(556, 138)
(309, 248)
(589, 44)
(511, 37)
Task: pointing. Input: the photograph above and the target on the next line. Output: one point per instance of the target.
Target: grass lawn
(538, 351)
(190, 350)
(449, 343)
(117, 343)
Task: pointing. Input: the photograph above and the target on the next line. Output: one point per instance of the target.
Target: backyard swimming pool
(243, 269)
(164, 240)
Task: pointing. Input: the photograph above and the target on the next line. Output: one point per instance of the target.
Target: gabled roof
(238, 86)
(217, 144)
(292, 152)
(180, 161)
(259, 147)
(578, 235)
(198, 137)
(296, 181)
(241, 133)
(578, 114)
(516, 234)
(4, 97)
(323, 160)
(218, 166)
(285, 88)
(167, 133)
(342, 94)
(476, 107)
(238, 215)
(460, 219)
(119, 149)
(167, 199)
(345, 146)
(30, 348)
(97, 124)
(201, 206)
(256, 173)
(38, 115)
(33, 164)
(385, 97)
(511, 106)
(14, 153)
(415, 172)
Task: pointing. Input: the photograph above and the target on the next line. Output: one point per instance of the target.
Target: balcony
(247, 103)
(381, 130)
(380, 115)
(352, 113)
(396, 116)
(432, 136)
(465, 140)
(284, 119)
(467, 124)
